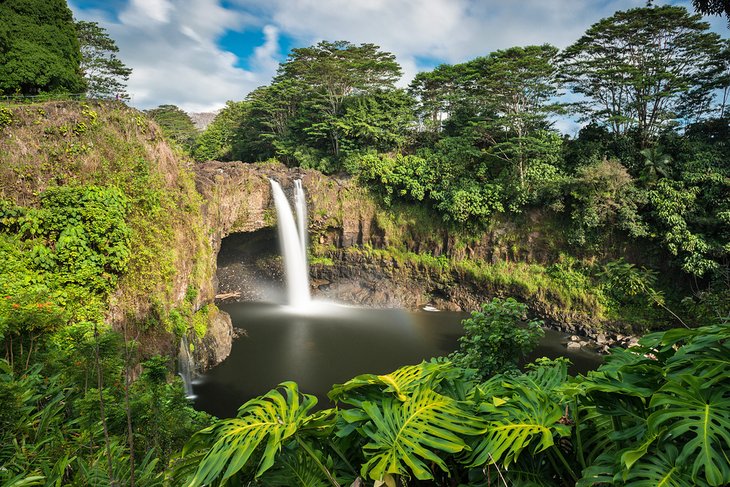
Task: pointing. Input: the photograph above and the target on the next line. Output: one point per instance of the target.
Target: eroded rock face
(341, 214)
(217, 342)
(238, 199)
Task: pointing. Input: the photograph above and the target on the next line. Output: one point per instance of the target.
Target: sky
(197, 54)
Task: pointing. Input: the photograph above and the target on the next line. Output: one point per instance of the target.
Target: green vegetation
(90, 214)
(69, 421)
(100, 222)
(670, 71)
(104, 73)
(494, 341)
(175, 124)
(651, 415)
(472, 144)
(39, 51)
(614, 293)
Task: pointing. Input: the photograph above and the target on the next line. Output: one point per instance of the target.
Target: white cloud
(265, 57)
(448, 30)
(144, 12)
(172, 47)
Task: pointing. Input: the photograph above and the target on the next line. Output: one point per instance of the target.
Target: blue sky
(199, 53)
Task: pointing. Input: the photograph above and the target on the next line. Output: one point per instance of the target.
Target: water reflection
(331, 344)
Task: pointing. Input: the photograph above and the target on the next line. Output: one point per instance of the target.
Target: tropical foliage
(494, 339)
(39, 51)
(104, 73)
(475, 143)
(652, 415)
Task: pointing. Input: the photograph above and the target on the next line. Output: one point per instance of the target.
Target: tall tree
(636, 68)
(335, 70)
(220, 139)
(39, 51)
(514, 88)
(435, 92)
(723, 80)
(104, 73)
(379, 121)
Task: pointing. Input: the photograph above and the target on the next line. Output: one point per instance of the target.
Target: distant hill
(202, 120)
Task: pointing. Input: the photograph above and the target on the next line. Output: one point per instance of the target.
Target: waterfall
(300, 208)
(185, 366)
(293, 242)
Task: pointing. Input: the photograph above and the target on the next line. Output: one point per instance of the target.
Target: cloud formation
(172, 45)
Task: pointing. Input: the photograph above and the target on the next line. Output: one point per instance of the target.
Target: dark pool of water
(332, 344)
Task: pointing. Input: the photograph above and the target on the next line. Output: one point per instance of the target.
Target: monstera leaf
(528, 417)
(661, 469)
(295, 468)
(266, 421)
(700, 419)
(406, 435)
(398, 383)
(706, 357)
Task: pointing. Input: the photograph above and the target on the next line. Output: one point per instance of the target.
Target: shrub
(495, 339)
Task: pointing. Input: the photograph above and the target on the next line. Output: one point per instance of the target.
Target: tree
(39, 51)
(221, 138)
(637, 67)
(379, 121)
(723, 80)
(436, 92)
(104, 73)
(604, 200)
(332, 71)
(271, 125)
(510, 91)
(175, 124)
(713, 7)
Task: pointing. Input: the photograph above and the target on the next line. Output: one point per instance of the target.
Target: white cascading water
(185, 367)
(300, 208)
(292, 238)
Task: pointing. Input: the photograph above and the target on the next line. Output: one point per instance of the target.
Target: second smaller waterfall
(185, 367)
(293, 241)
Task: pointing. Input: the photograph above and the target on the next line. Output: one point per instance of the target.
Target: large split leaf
(264, 422)
(295, 468)
(398, 383)
(528, 417)
(660, 470)
(404, 436)
(700, 419)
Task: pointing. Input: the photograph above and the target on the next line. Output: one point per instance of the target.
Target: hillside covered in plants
(110, 219)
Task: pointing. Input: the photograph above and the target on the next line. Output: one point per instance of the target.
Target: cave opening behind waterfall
(250, 267)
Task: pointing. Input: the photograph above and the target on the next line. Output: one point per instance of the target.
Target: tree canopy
(175, 124)
(104, 73)
(39, 50)
(642, 69)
